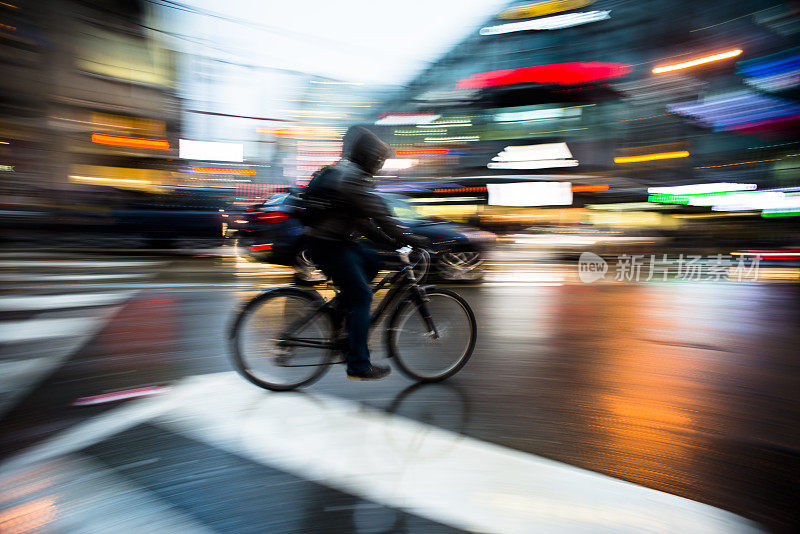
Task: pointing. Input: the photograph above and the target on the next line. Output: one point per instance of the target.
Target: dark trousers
(352, 267)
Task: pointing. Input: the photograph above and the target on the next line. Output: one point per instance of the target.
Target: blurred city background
(614, 186)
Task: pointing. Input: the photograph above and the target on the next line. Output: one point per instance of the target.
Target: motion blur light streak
(648, 117)
(460, 190)
(775, 72)
(530, 194)
(540, 114)
(740, 163)
(781, 213)
(537, 9)
(651, 157)
(769, 254)
(698, 61)
(107, 181)
(588, 188)
(212, 170)
(392, 164)
(541, 156)
(740, 110)
(457, 139)
(757, 200)
(423, 152)
(400, 119)
(132, 142)
(534, 152)
(211, 151)
(555, 73)
(550, 23)
(698, 189)
(535, 164)
(732, 200)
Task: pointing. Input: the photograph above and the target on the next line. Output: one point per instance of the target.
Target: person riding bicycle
(341, 205)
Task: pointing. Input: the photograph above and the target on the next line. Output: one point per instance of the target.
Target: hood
(365, 149)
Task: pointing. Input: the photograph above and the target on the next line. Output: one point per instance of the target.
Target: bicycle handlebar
(424, 258)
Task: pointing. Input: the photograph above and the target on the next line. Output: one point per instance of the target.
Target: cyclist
(341, 205)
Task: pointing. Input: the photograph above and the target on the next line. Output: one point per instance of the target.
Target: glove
(416, 241)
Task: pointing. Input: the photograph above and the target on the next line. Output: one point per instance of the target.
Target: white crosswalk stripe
(30, 270)
(32, 349)
(77, 264)
(41, 329)
(61, 301)
(77, 277)
(42, 325)
(402, 464)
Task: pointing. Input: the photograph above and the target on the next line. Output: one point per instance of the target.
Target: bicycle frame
(407, 282)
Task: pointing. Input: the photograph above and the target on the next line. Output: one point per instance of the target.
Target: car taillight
(259, 248)
(272, 217)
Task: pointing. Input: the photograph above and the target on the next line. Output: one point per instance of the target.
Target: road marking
(397, 462)
(59, 302)
(24, 372)
(523, 276)
(92, 431)
(182, 285)
(428, 471)
(64, 277)
(69, 264)
(39, 329)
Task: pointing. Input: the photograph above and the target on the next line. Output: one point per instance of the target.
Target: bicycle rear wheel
(281, 339)
(426, 356)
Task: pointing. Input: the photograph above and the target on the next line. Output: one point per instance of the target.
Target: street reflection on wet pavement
(688, 388)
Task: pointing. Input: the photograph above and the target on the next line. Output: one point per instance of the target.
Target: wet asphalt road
(690, 388)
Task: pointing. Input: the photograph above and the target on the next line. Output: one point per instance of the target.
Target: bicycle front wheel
(429, 355)
(281, 339)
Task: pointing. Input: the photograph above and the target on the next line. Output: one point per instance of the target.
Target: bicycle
(288, 337)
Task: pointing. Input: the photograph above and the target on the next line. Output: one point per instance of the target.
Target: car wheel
(305, 272)
(463, 266)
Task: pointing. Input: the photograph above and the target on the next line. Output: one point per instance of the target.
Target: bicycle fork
(421, 300)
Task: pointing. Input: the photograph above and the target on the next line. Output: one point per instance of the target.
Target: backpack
(317, 198)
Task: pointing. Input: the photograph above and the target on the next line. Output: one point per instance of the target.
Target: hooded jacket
(345, 203)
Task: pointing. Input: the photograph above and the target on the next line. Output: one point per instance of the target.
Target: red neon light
(583, 188)
(134, 142)
(259, 248)
(423, 152)
(556, 73)
(788, 254)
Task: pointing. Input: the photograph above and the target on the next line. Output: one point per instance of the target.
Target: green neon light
(684, 199)
(781, 214)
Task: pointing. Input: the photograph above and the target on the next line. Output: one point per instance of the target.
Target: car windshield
(402, 209)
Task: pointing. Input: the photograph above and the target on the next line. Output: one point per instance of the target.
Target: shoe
(373, 372)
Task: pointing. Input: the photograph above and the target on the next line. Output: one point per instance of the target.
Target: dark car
(269, 232)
